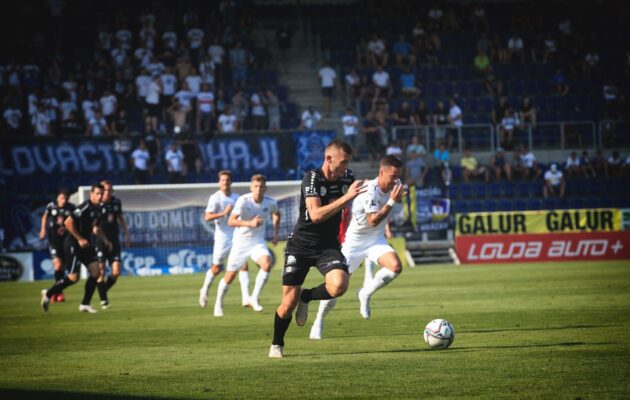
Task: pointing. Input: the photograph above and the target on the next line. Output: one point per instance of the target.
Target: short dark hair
(341, 145)
(63, 191)
(391, 161)
(259, 178)
(225, 172)
(106, 182)
(96, 185)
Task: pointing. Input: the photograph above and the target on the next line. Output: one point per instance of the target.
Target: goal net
(166, 227)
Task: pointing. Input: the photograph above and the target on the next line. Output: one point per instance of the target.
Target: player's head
(258, 186)
(389, 172)
(62, 197)
(337, 157)
(108, 190)
(96, 193)
(225, 180)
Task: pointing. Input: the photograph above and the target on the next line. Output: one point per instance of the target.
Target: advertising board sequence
(554, 235)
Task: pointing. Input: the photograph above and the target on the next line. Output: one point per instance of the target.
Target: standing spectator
(152, 101)
(456, 120)
(273, 110)
(205, 110)
(516, 49)
(421, 115)
(509, 123)
(482, 64)
(142, 84)
(554, 182)
(184, 97)
(417, 170)
(217, 56)
(404, 52)
(71, 126)
(614, 164)
(382, 84)
(194, 81)
(371, 130)
(97, 126)
(109, 104)
(440, 122)
(404, 115)
(499, 164)
(206, 70)
(394, 149)
(66, 107)
(51, 107)
(238, 63)
(377, 52)
(590, 66)
(310, 119)
(141, 161)
(120, 125)
(353, 86)
(471, 168)
(240, 108)
(174, 163)
(572, 165)
(350, 125)
(179, 115)
(260, 44)
(625, 168)
(328, 82)
(228, 122)
(499, 111)
(611, 93)
(416, 146)
(493, 86)
(258, 101)
(41, 122)
(551, 49)
(195, 43)
(436, 16)
(559, 82)
(169, 39)
(442, 158)
(284, 35)
(528, 112)
(587, 165)
(12, 120)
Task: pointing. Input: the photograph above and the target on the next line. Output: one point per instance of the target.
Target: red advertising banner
(543, 247)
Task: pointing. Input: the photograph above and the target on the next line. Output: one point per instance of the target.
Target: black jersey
(110, 212)
(86, 216)
(55, 218)
(308, 236)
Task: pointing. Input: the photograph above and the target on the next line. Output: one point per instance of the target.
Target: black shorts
(76, 255)
(56, 247)
(104, 254)
(153, 110)
(296, 266)
(327, 92)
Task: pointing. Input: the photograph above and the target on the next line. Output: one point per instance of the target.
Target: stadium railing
(614, 134)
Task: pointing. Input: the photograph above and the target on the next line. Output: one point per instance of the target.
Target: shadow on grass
(458, 349)
(48, 394)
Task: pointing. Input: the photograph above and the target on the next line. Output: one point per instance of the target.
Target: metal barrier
(565, 135)
(614, 134)
(479, 137)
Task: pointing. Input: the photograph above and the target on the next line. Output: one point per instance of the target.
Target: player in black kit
(84, 229)
(53, 226)
(314, 240)
(111, 220)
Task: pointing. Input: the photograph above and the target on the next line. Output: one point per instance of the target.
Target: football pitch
(523, 331)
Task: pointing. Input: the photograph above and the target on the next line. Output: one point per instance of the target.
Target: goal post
(166, 226)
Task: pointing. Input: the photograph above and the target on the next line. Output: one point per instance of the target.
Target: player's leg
(59, 274)
(90, 286)
(102, 253)
(392, 267)
(262, 256)
(243, 278)
(219, 254)
(354, 258)
(73, 268)
(237, 257)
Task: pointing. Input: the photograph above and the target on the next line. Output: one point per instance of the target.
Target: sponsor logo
(10, 268)
(135, 264)
(323, 191)
(189, 258)
(291, 260)
(288, 270)
(344, 189)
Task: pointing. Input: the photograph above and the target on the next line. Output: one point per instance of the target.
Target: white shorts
(221, 250)
(239, 255)
(356, 253)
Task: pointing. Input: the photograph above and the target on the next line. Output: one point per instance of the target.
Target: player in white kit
(249, 216)
(365, 237)
(220, 205)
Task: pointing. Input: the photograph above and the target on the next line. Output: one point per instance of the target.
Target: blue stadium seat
(461, 206)
(453, 192)
(576, 202)
(521, 189)
(479, 190)
(467, 191)
(494, 189)
(477, 206)
(519, 205)
(534, 204)
(491, 206)
(507, 189)
(504, 205)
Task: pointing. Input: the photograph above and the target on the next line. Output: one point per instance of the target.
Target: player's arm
(376, 218)
(275, 221)
(318, 213)
(388, 231)
(125, 228)
(98, 231)
(69, 224)
(42, 231)
(247, 223)
(210, 216)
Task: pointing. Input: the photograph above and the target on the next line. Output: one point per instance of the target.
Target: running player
(84, 229)
(315, 240)
(112, 221)
(53, 225)
(249, 217)
(365, 238)
(220, 205)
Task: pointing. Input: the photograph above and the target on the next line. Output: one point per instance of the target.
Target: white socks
(221, 291)
(261, 280)
(243, 278)
(382, 278)
(207, 281)
(369, 272)
(325, 306)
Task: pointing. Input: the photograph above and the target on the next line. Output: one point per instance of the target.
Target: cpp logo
(132, 263)
(189, 258)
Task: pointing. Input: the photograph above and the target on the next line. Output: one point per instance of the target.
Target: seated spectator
(120, 125)
(174, 158)
(500, 165)
(408, 85)
(600, 164)
(353, 86)
(378, 54)
(516, 49)
(416, 147)
(559, 82)
(273, 110)
(71, 126)
(529, 166)
(97, 125)
(455, 120)
(499, 110)
(227, 121)
(429, 51)
(371, 131)
(572, 166)
(611, 93)
(551, 49)
(590, 66)
(484, 44)
(614, 164)
(350, 124)
(440, 122)
(442, 158)
(382, 83)
(404, 115)
(471, 168)
(625, 168)
(394, 149)
(416, 169)
(528, 112)
(499, 52)
(421, 115)
(310, 119)
(494, 86)
(368, 89)
(482, 64)
(554, 182)
(587, 165)
(509, 124)
(141, 161)
(404, 52)
(363, 53)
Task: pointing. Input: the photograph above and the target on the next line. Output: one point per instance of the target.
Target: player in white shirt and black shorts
(365, 237)
(220, 205)
(249, 216)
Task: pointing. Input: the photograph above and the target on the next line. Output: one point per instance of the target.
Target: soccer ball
(439, 334)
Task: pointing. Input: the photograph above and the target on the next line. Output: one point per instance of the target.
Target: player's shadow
(461, 349)
(61, 395)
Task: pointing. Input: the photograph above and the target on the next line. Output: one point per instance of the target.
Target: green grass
(523, 331)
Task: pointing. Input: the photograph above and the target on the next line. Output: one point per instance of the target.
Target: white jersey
(216, 204)
(359, 231)
(246, 208)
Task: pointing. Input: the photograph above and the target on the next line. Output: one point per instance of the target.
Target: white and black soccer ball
(439, 334)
